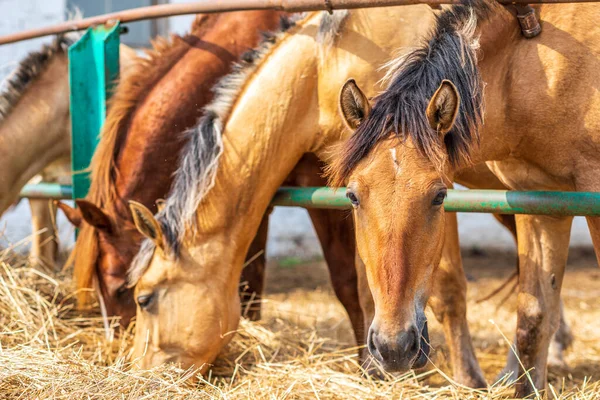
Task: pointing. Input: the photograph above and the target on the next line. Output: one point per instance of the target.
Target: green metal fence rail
(47, 191)
(475, 201)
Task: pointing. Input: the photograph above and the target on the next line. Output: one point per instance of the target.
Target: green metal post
(93, 69)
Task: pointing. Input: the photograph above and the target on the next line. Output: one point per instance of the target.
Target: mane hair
(129, 93)
(200, 156)
(29, 69)
(450, 53)
(330, 27)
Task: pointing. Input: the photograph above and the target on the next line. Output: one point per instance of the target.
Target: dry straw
(50, 350)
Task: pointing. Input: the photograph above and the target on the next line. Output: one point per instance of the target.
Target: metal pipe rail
(214, 6)
(47, 191)
(478, 201)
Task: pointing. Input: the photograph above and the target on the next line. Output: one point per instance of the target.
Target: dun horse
(140, 143)
(35, 132)
(541, 132)
(139, 132)
(198, 242)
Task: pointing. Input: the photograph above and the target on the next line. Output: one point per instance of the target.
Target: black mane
(450, 53)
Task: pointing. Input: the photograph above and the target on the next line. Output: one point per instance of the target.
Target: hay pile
(50, 350)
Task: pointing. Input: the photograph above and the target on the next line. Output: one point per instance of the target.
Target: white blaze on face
(395, 160)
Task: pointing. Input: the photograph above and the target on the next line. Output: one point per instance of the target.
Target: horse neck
(150, 151)
(500, 37)
(541, 102)
(284, 112)
(272, 123)
(36, 132)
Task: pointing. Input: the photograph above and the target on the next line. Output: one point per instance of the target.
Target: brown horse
(35, 133)
(541, 132)
(137, 156)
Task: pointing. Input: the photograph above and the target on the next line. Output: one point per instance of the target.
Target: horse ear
(146, 223)
(354, 105)
(94, 215)
(160, 204)
(443, 107)
(73, 214)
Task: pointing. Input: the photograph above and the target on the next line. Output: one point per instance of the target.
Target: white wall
(18, 15)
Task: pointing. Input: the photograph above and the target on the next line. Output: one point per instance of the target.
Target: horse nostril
(409, 342)
(372, 346)
(415, 341)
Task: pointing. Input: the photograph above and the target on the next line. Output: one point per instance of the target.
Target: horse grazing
(542, 128)
(137, 156)
(35, 133)
(140, 144)
(187, 272)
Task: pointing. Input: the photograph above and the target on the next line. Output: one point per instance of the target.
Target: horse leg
(44, 246)
(335, 230)
(543, 250)
(562, 339)
(449, 304)
(253, 275)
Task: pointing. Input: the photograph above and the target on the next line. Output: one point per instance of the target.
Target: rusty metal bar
(214, 6)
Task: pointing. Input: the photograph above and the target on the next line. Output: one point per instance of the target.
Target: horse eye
(145, 300)
(122, 290)
(353, 198)
(438, 200)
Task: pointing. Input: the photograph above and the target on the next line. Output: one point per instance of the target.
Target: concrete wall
(18, 15)
(291, 232)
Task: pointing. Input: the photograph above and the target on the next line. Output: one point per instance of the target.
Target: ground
(295, 289)
(301, 349)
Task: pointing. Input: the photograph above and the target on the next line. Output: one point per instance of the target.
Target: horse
(35, 132)
(429, 124)
(144, 122)
(139, 145)
(196, 244)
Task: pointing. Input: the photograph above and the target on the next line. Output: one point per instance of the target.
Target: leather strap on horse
(530, 25)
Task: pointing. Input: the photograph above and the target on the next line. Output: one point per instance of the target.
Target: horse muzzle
(408, 349)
